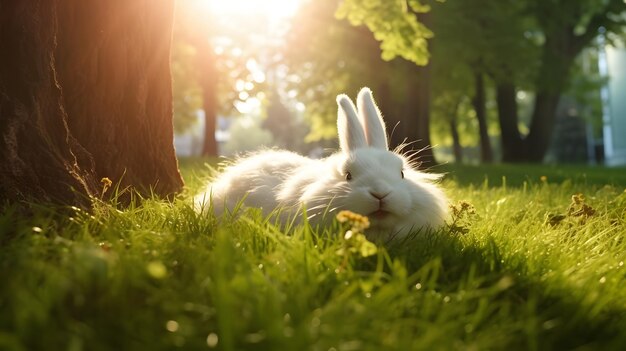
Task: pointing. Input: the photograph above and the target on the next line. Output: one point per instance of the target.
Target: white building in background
(613, 64)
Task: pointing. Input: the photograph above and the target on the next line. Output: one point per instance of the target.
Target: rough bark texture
(85, 93)
(38, 155)
(478, 102)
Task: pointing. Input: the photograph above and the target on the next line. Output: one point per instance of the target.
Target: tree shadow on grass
(544, 314)
(516, 175)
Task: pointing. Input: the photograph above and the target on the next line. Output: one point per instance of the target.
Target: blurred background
(482, 81)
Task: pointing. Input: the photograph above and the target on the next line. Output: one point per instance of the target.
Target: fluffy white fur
(395, 205)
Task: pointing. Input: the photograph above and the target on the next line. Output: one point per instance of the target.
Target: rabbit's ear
(350, 131)
(372, 120)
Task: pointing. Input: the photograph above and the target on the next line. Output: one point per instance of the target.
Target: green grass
(160, 277)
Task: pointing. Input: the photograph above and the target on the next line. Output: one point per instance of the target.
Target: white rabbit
(364, 177)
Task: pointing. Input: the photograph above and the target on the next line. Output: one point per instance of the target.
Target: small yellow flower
(156, 269)
(355, 220)
(106, 182)
(543, 178)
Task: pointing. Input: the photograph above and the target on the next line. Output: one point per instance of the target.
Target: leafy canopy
(394, 23)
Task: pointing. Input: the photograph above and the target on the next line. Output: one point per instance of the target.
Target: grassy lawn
(529, 269)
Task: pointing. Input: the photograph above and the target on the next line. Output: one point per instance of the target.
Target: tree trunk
(85, 94)
(39, 159)
(417, 114)
(542, 125)
(556, 62)
(513, 149)
(456, 141)
(207, 70)
(478, 102)
(557, 59)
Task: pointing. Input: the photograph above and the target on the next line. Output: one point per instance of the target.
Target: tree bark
(542, 125)
(207, 70)
(39, 159)
(513, 149)
(417, 114)
(557, 60)
(478, 102)
(456, 141)
(85, 94)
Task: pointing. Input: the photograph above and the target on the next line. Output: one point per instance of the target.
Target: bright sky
(273, 9)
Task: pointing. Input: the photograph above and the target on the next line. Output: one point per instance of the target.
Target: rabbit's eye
(348, 176)
(402, 174)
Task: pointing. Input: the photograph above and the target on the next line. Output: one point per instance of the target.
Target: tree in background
(212, 57)
(85, 94)
(530, 44)
(340, 58)
(566, 27)
(401, 28)
(523, 45)
(197, 75)
(478, 41)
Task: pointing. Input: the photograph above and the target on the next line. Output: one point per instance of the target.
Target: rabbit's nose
(378, 195)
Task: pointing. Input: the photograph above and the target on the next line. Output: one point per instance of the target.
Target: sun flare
(270, 9)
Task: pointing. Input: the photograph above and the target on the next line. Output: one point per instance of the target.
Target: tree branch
(600, 19)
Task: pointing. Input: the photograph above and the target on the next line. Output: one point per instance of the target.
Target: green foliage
(159, 276)
(327, 57)
(394, 23)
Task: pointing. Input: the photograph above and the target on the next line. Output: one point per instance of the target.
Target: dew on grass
(212, 340)
(255, 338)
(547, 325)
(171, 326)
(156, 269)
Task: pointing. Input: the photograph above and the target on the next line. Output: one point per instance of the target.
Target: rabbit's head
(370, 180)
